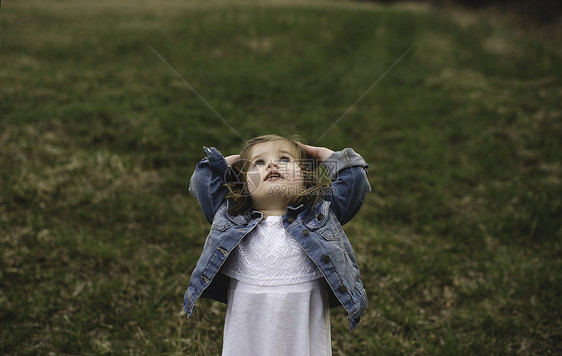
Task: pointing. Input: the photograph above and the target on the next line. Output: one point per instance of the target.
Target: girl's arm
(207, 182)
(348, 173)
(231, 159)
(318, 153)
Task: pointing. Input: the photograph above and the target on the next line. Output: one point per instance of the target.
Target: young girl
(276, 252)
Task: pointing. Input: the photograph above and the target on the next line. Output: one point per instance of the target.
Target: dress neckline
(272, 220)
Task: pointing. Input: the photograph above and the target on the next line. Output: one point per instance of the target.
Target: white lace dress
(277, 300)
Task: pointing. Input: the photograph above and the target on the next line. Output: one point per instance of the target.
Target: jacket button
(326, 258)
(305, 232)
(343, 289)
(320, 216)
(290, 220)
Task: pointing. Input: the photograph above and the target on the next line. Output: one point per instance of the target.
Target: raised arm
(231, 159)
(320, 154)
(207, 182)
(348, 173)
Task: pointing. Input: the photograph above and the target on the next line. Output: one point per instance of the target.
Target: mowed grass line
(458, 243)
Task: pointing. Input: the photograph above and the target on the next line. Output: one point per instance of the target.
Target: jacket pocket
(220, 226)
(329, 230)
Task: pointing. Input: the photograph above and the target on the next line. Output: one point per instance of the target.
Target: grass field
(459, 243)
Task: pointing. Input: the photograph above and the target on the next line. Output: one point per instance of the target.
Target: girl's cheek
(293, 170)
(297, 175)
(253, 179)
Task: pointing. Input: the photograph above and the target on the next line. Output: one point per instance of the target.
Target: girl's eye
(260, 162)
(285, 159)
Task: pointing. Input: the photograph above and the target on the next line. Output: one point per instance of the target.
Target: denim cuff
(343, 159)
(217, 163)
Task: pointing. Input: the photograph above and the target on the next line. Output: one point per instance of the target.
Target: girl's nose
(272, 163)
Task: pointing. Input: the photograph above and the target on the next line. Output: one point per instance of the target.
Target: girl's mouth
(273, 175)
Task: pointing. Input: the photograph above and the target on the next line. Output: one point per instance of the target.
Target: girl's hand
(318, 153)
(231, 159)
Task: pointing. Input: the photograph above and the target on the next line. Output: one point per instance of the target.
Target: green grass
(459, 243)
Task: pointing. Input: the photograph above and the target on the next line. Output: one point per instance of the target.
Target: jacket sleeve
(207, 182)
(348, 173)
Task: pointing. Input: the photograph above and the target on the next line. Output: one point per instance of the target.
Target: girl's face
(273, 171)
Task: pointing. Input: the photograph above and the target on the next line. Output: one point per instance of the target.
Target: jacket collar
(242, 219)
(319, 209)
(295, 210)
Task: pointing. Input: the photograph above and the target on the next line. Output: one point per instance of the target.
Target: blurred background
(540, 12)
(105, 107)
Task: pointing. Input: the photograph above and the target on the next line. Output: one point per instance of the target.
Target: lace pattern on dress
(269, 256)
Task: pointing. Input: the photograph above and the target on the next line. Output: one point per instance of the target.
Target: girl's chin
(273, 180)
(278, 188)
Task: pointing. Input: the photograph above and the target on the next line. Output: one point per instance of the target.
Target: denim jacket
(317, 229)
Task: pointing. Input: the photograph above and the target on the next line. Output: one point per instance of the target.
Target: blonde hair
(238, 193)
